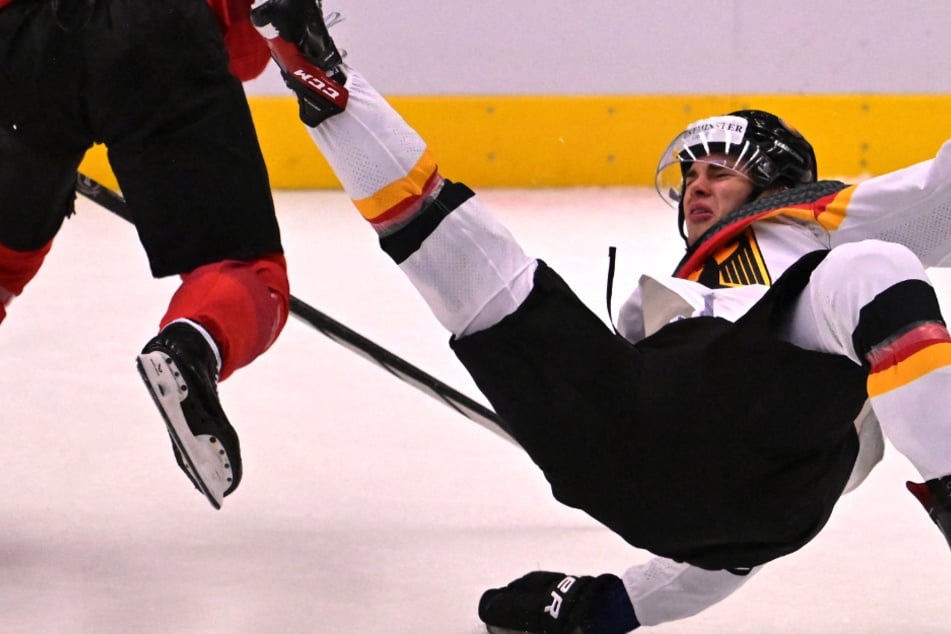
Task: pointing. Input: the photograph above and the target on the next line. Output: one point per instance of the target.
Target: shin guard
(243, 304)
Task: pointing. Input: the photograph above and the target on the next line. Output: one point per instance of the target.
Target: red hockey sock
(243, 305)
(17, 268)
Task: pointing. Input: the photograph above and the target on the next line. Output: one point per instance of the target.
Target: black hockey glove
(309, 60)
(544, 602)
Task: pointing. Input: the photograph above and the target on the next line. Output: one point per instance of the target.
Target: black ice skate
(298, 37)
(935, 496)
(179, 369)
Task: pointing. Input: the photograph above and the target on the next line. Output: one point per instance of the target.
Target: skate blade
(493, 629)
(206, 461)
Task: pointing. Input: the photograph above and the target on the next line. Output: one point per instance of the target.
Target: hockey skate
(935, 496)
(179, 369)
(298, 37)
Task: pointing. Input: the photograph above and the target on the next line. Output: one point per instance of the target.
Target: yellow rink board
(568, 141)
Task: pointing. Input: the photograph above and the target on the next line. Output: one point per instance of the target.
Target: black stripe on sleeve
(404, 242)
(893, 312)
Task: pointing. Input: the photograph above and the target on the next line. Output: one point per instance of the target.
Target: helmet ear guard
(791, 154)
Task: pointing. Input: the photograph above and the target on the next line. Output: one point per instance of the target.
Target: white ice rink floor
(366, 507)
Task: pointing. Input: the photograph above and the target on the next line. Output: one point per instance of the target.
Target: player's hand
(544, 602)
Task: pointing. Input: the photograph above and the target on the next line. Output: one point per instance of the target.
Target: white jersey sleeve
(911, 206)
(664, 590)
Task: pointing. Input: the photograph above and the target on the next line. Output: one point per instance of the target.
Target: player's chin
(696, 228)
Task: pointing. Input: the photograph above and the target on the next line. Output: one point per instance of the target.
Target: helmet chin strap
(681, 218)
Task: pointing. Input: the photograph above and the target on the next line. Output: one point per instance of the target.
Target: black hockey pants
(150, 80)
(708, 442)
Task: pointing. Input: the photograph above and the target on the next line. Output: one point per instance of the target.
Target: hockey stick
(339, 333)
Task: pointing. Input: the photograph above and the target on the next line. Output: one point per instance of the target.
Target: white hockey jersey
(490, 275)
(911, 206)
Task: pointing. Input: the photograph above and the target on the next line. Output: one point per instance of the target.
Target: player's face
(712, 189)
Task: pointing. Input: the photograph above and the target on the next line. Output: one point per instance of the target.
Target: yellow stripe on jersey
(914, 367)
(834, 213)
(400, 190)
(829, 216)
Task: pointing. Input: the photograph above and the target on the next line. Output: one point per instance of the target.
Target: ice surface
(365, 507)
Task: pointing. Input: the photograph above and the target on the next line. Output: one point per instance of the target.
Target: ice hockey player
(743, 395)
(151, 81)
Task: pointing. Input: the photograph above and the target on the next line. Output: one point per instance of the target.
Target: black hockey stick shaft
(399, 367)
(333, 329)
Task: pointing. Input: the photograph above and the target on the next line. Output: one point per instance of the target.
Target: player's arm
(658, 591)
(664, 590)
(911, 206)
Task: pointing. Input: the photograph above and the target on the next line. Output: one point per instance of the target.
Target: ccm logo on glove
(317, 84)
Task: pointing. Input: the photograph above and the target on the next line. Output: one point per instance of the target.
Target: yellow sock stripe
(914, 367)
(400, 190)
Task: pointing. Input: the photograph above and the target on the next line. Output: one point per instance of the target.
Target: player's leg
(872, 302)
(187, 159)
(223, 316)
(473, 274)
(17, 268)
(36, 194)
(465, 265)
(42, 140)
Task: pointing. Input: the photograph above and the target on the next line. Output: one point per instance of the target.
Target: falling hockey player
(743, 395)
